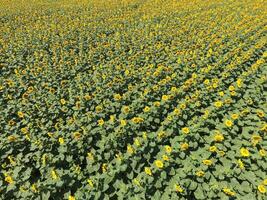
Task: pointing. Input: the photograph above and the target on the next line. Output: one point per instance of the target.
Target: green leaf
(199, 193)
(193, 185)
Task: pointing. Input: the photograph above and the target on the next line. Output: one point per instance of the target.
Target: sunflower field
(133, 99)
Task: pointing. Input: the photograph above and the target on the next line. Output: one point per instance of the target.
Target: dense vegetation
(133, 99)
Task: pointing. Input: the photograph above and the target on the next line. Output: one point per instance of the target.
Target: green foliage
(133, 99)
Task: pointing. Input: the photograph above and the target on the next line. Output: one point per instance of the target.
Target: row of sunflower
(131, 99)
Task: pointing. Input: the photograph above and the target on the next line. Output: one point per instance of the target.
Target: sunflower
(234, 116)
(262, 189)
(159, 164)
(178, 188)
(218, 104)
(244, 152)
(146, 109)
(117, 97)
(200, 173)
(71, 197)
(207, 162)
(213, 149)
(123, 122)
(148, 171)
(9, 179)
(61, 140)
(228, 123)
(228, 191)
(101, 122)
(168, 149)
(184, 146)
(185, 130)
(165, 98)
